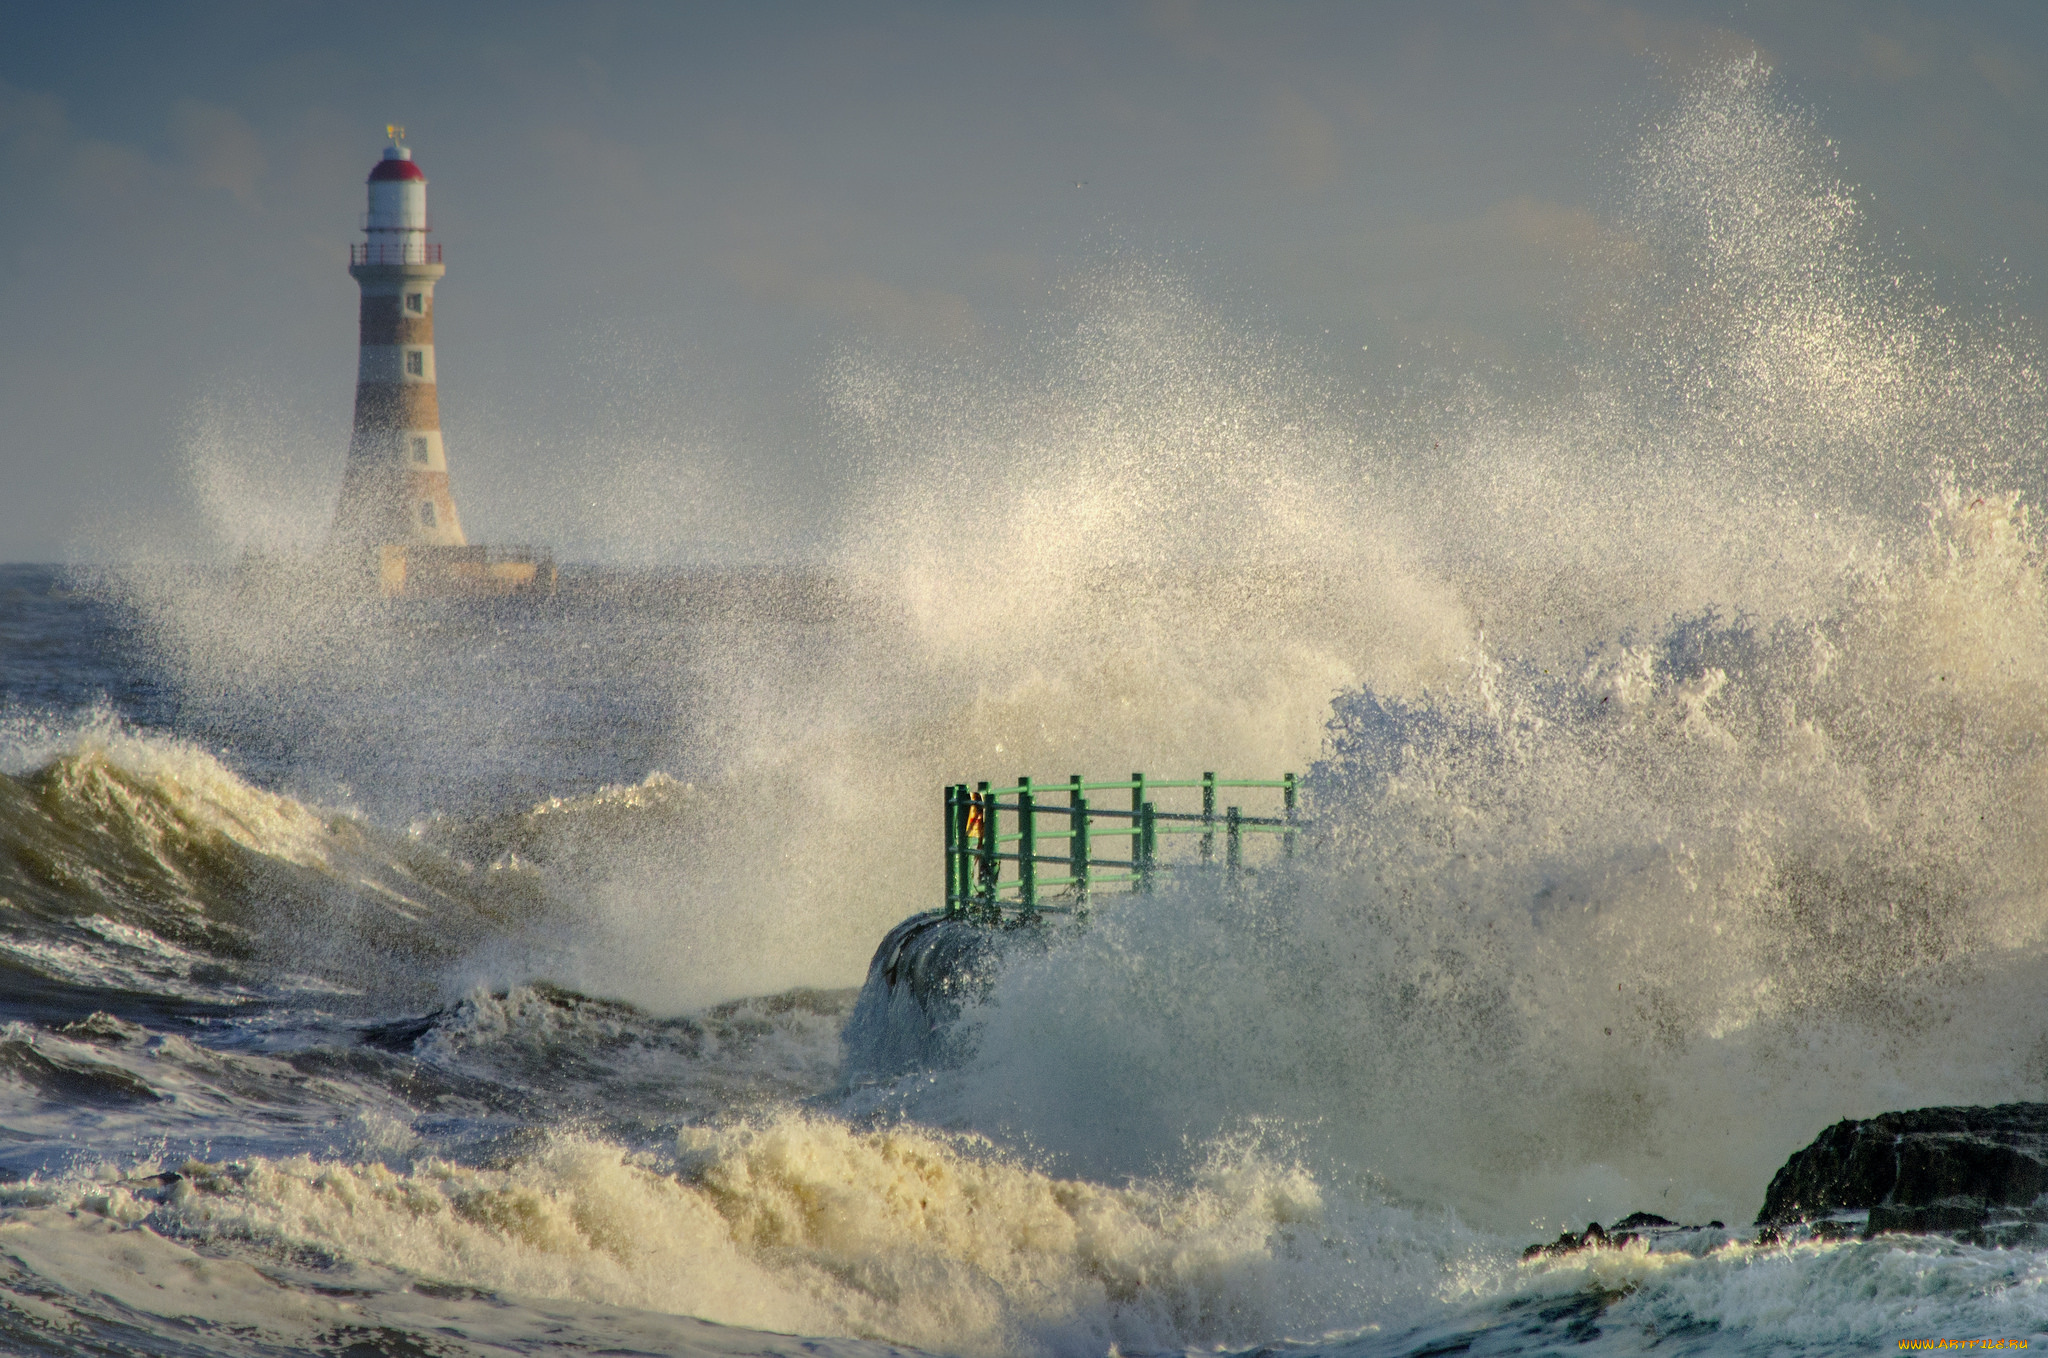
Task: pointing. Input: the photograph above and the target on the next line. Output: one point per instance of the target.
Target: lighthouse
(394, 490)
(396, 513)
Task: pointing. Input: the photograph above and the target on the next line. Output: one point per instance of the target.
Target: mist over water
(1682, 796)
(1577, 943)
(1705, 814)
(1675, 745)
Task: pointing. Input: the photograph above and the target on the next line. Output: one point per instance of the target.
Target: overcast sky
(666, 223)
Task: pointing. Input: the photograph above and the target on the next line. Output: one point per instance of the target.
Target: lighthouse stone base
(408, 570)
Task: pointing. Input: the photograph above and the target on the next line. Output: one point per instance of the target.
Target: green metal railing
(992, 868)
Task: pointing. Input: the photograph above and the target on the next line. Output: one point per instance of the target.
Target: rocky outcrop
(1647, 1226)
(1977, 1173)
(1952, 1170)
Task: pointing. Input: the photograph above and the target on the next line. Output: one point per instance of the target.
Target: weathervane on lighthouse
(395, 509)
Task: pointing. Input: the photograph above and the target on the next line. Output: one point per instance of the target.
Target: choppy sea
(438, 978)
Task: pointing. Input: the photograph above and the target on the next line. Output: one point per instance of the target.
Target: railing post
(1145, 843)
(1027, 848)
(1233, 847)
(1287, 798)
(1080, 851)
(1208, 818)
(990, 869)
(1137, 831)
(963, 862)
(952, 851)
(1077, 846)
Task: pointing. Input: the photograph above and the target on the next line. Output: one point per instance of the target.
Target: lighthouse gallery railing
(416, 253)
(994, 872)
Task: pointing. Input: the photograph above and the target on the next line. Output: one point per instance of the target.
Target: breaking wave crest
(801, 1223)
(142, 863)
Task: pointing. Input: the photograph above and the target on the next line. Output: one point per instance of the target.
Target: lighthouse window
(426, 513)
(416, 303)
(416, 362)
(419, 450)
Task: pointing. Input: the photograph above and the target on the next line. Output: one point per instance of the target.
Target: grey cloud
(2011, 75)
(1304, 143)
(1888, 58)
(217, 148)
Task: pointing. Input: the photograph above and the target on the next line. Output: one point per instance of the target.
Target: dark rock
(1564, 1244)
(1927, 1170)
(1937, 1218)
(1637, 1220)
(1635, 1226)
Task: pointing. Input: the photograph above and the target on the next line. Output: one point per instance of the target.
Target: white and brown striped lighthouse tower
(396, 520)
(394, 491)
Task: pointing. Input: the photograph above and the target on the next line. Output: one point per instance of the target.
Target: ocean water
(475, 979)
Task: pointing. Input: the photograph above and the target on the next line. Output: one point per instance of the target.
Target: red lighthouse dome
(396, 167)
